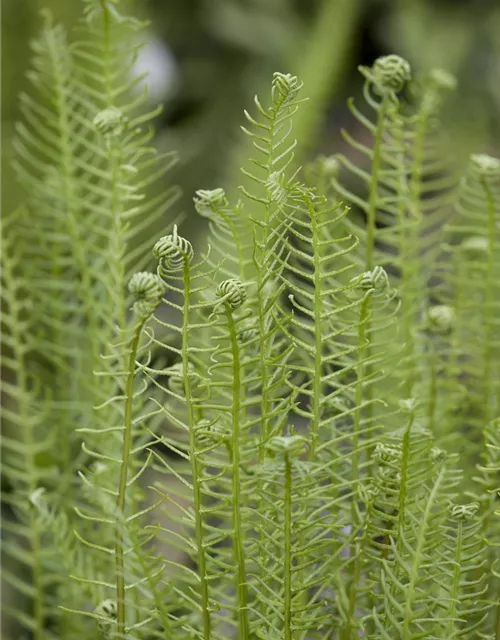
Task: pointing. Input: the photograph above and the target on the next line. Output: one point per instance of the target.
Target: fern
(291, 434)
(24, 409)
(471, 282)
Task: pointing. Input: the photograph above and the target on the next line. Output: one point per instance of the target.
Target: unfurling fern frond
(116, 501)
(405, 193)
(190, 418)
(270, 134)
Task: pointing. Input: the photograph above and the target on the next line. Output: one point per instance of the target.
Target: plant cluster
(291, 433)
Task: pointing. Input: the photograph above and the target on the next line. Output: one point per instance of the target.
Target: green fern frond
(463, 581)
(28, 460)
(407, 580)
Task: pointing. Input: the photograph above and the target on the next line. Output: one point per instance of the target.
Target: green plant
(292, 433)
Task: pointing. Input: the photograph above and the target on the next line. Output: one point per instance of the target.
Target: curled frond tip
(208, 201)
(391, 73)
(233, 292)
(173, 251)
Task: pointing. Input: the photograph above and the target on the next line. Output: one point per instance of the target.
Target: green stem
(432, 391)
(373, 193)
(355, 514)
(318, 309)
(489, 303)
(405, 459)
(238, 537)
(117, 238)
(264, 401)
(418, 558)
(288, 550)
(362, 348)
(351, 629)
(455, 589)
(371, 228)
(122, 491)
(453, 382)
(85, 290)
(195, 464)
(107, 48)
(409, 258)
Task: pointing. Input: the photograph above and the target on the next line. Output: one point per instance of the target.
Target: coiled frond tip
(390, 73)
(233, 292)
(147, 289)
(173, 251)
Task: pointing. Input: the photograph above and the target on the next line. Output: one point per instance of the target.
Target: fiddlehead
(390, 74)
(110, 123)
(174, 252)
(147, 290)
(232, 293)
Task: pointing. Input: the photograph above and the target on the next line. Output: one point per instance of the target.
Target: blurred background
(207, 58)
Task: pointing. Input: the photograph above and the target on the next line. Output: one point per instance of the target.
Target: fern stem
(455, 588)
(373, 193)
(489, 303)
(405, 459)
(60, 100)
(457, 340)
(403, 490)
(351, 626)
(409, 264)
(122, 490)
(288, 550)
(238, 538)
(371, 222)
(117, 239)
(318, 345)
(107, 50)
(418, 558)
(263, 433)
(195, 464)
(264, 401)
(355, 514)
(361, 346)
(431, 413)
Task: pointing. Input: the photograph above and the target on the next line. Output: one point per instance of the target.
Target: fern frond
(27, 442)
(407, 579)
(270, 134)
(469, 288)
(463, 581)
